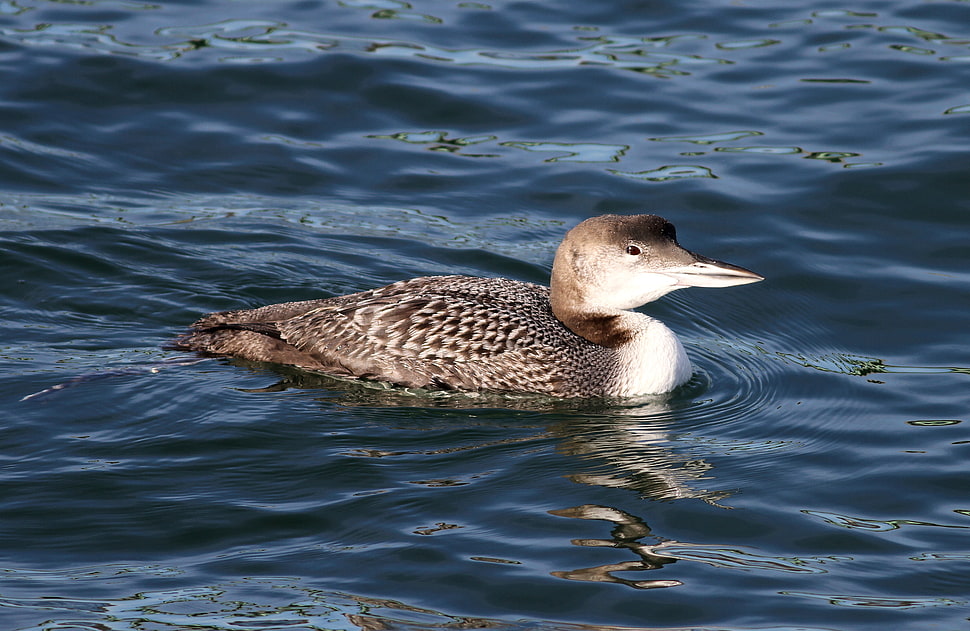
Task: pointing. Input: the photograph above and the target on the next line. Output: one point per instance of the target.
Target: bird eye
(633, 250)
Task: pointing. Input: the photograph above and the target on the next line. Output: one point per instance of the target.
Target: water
(160, 161)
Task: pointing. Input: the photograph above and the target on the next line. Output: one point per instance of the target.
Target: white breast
(653, 362)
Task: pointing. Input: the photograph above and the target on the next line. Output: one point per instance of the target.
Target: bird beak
(705, 272)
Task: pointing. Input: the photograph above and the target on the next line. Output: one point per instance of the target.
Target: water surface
(160, 161)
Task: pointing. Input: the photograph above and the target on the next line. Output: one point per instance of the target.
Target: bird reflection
(627, 533)
(357, 393)
(634, 450)
(629, 444)
(623, 443)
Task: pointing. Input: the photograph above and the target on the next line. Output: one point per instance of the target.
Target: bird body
(577, 339)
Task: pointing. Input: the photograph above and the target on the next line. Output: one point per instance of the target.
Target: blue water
(161, 161)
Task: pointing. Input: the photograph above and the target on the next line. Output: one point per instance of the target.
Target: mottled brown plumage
(452, 332)
(495, 334)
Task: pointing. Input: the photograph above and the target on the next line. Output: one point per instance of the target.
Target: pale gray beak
(705, 272)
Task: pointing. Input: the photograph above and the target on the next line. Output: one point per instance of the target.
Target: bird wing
(435, 325)
(454, 332)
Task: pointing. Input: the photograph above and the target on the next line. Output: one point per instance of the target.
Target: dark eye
(633, 250)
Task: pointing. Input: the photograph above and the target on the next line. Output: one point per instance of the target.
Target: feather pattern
(452, 332)
(578, 338)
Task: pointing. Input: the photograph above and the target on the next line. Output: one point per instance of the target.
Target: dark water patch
(103, 88)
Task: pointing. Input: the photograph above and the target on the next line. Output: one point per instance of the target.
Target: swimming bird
(577, 338)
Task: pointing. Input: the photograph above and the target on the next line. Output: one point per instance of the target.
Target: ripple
(667, 173)
(284, 604)
(913, 50)
(873, 525)
(937, 556)
(747, 43)
(745, 384)
(589, 152)
(935, 423)
(843, 13)
(258, 39)
(709, 139)
(842, 600)
(442, 141)
(626, 535)
(959, 109)
(279, 602)
(860, 365)
(26, 146)
(491, 146)
(382, 138)
(575, 151)
(835, 157)
(776, 151)
(97, 38)
(275, 41)
(737, 558)
(639, 450)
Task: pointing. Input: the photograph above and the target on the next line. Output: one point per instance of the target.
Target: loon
(577, 338)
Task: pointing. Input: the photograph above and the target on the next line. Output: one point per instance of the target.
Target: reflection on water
(667, 173)
(862, 366)
(633, 449)
(574, 151)
(287, 603)
(630, 531)
(627, 444)
(256, 39)
(627, 534)
(278, 603)
(874, 525)
(737, 558)
(835, 157)
(869, 602)
(442, 141)
(321, 147)
(588, 152)
(708, 139)
(621, 443)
